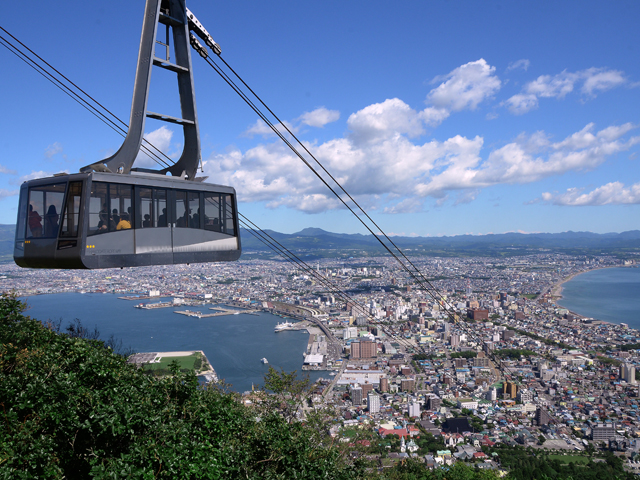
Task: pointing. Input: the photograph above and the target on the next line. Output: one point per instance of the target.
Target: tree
(288, 394)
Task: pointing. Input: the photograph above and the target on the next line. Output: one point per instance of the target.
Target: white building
(467, 403)
(414, 409)
(373, 402)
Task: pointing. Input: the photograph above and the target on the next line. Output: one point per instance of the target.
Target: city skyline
(441, 119)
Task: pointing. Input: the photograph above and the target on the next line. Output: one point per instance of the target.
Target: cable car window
(212, 211)
(145, 211)
(226, 210)
(71, 214)
(43, 219)
(182, 215)
(160, 207)
(120, 204)
(100, 220)
(22, 215)
(194, 209)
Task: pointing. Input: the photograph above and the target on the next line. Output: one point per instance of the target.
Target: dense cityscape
(492, 360)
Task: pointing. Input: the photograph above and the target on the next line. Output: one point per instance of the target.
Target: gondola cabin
(104, 220)
(113, 215)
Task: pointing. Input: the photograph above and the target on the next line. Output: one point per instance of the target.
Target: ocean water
(609, 294)
(234, 344)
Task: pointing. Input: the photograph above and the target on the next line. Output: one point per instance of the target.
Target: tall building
(542, 417)
(407, 384)
(492, 395)
(525, 396)
(414, 409)
(368, 349)
(355, 350)
(434, 402)
(356, 395)
(510, 389)
(628, 373)
(454, 341)
(366, 388)
(373, 402)
(384, 384)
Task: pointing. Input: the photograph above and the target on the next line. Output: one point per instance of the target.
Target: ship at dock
(283, 326)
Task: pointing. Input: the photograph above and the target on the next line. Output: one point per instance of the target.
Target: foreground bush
(71, 408)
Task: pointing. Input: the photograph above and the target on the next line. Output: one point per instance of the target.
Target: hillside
(74, 409)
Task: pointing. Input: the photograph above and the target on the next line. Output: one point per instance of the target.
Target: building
(525, 396)
(407, 385)
(356, 395)
(628, 373)
(481, 362)
(478, 314)
(433, 402)
(364, 349)
(603, 432)
(492, 395)
(368, 349)
(384, 384)
(350, 332)
(361, 321)
(414, 409)
(509, 390)
(467, 403)
(507, 334)
(373, 402)
(543, 417)
(366, 388)
(454, 341)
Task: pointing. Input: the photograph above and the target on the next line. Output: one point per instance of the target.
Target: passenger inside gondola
(51, 222)
(124, 223)
(35, 224)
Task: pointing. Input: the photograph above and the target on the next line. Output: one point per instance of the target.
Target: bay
(234, 344)
(609, 294)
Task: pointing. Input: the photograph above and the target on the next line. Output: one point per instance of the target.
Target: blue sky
(442, 118)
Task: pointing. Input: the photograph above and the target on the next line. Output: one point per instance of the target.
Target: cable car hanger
(174, 14)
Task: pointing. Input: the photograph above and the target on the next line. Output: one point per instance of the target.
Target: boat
(237, 313)
(283, 326)
(264, 360)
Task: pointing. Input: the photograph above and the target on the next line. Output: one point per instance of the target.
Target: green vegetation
(190, 363)
(609, 361)
(74, 409)
(527, 464)
(515, 353)
(467, 354)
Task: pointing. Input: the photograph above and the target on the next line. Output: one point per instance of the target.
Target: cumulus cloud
(519, 64)
(592, 80)
(465, 87)
(379, 164)
(6, 170)
(161, 139)
(614, 193)
(8, 193)
(52, 150)
(319, 117)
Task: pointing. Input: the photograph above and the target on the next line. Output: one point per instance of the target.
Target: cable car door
(153, 230)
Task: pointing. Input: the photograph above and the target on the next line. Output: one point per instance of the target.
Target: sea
(608, 294)
(234, 344)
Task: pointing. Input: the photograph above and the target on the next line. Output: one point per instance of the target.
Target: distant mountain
(320, 242)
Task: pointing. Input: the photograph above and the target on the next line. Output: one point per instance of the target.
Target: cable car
(113, 215)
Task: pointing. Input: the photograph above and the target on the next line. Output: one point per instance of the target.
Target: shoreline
(556, 291)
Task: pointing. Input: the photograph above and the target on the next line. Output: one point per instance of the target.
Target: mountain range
(318, 243)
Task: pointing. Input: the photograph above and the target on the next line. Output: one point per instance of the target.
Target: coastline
(556, 292)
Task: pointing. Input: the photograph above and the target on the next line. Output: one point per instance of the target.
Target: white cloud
(34, 175)
(8, 193)
(614, 193)
(379, 164)
(52, 150)
(599, 79)
(594, 80)
(161, 139)
(319, 117)
(465, 87)
(6, 170)
(519, 64)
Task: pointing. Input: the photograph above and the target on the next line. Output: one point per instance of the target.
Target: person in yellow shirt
(124, 222)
